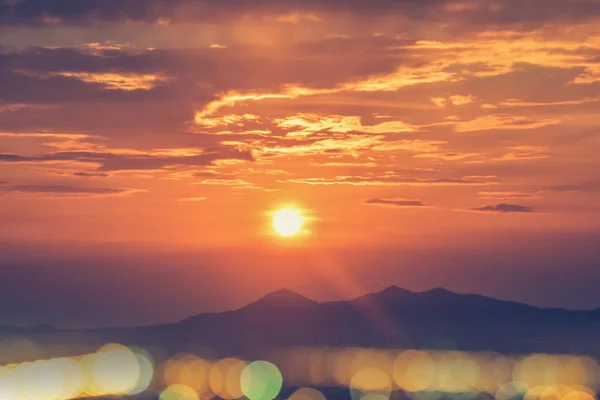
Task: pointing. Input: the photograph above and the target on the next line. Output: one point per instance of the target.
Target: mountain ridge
(289, 298)
(390, 318)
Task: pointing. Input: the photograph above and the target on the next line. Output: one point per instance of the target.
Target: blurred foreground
(299, 373)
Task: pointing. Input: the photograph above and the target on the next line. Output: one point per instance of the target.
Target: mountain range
(394, 317)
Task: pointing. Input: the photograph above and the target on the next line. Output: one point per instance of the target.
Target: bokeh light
(191, 371)
(225, 378)
(496, 370)
(537, 370)
(179, 392)
(10, 387)
(114, 369)
(146, 372)
(414, 371)
(370, 383)
(307, 394)
(41, 380)
(370, 374)
(261, 380)
(73, 380)
(511, 391)
(456, 372)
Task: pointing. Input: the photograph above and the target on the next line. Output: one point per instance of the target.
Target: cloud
(224, 182)
(416, 145)
(344, 164)
(591, 75)
(43, 135)
(350, 144)
(588, 186)
(67, 191)
(387, 180)
(448, 156)
(499, 12)
(12, 107)
(396, 203)
(457, 100)
(135, 161)
(525, 153)
(92, 174)
(510, 195)
(347, 145)
(226, 120)
(115, 81)
(521, 103)
(312, 123)
(504, 209)
(502, 121)
(34, 88)
(192, 199)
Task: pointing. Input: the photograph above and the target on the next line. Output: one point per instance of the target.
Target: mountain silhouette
(396, 317)
(391, 318)
(281, 298)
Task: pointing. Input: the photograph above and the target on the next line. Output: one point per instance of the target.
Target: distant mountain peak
(396, 295)
(390, 294)
(440, 291)
(281, 298)
(394, 291)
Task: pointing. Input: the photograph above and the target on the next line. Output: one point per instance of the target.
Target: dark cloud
(16, 87)
(84, 11)
(590, 186)
(120, 162)
(396, 202)
(504, 209)
(80, 11)
(54, 75)
(391, 180)
(92, 174)
(37, 75)
(64, 190)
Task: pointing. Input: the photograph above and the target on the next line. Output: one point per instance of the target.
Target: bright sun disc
(287, 222)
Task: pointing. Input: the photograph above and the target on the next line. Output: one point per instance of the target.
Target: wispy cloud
(312, 123)
(395, 202)
(115, 81)
(510, 195)
(67, 191)
(502, 121)
(388, 180)
(500, 12)
(192, 199)
(134, 161)
(526, 153)
(504, 209)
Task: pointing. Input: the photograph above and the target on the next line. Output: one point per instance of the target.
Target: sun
(287, 222)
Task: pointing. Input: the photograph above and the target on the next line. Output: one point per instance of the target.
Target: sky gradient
(144, 145)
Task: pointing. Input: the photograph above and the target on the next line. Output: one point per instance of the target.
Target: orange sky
(187, 123)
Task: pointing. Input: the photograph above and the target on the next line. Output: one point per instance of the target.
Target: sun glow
(287, 222)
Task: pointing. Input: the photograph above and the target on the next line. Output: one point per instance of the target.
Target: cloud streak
(66, 191)
(107, 161)
(155, 11)
(404, 203)
(387, 180)
(504, 209)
